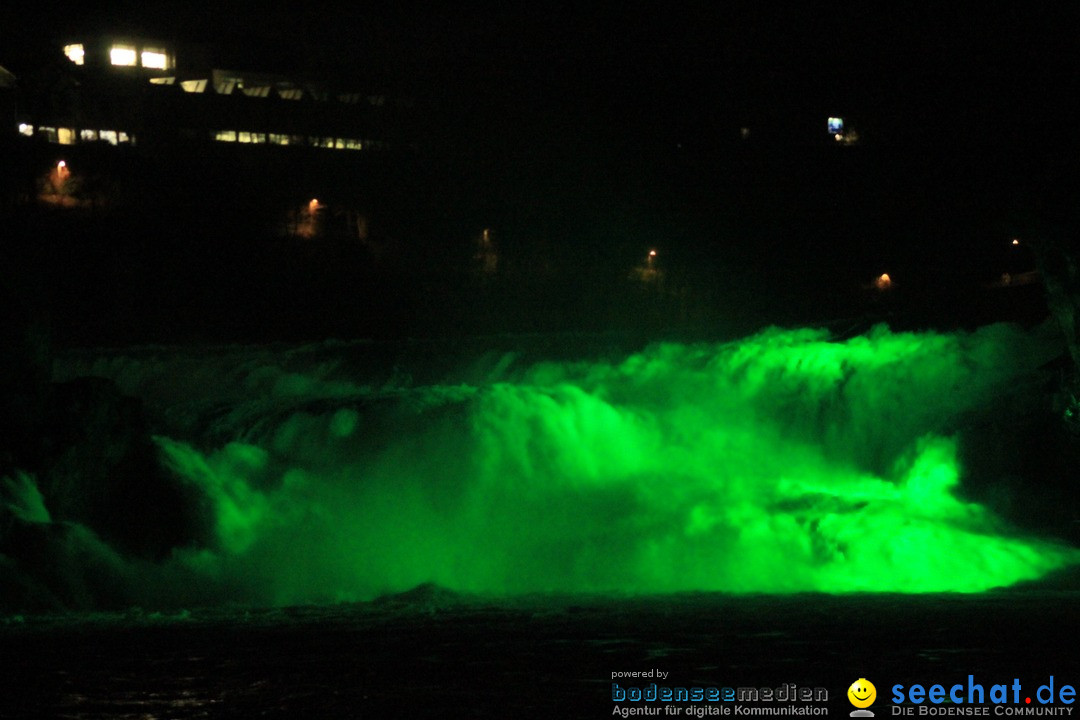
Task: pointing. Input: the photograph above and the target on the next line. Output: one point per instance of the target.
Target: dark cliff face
(79, 479)
(25, 367)
(1059, 266)
(101, 470)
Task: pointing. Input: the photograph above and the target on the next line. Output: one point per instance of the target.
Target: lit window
(75, 53)
(124, 137)
(277, 139)
(224, 87)
(836, 126)
(290, 93)
(162, 80)
(27, 130)
(257, 91)
(48, 133)
(66, 136)
(339, 144)
(244, 137)
(124, 55)
(155, 59)
(352, 144)
(88, 135)
(225, 136)
(109, 136)
(258, 138)
(194, 86)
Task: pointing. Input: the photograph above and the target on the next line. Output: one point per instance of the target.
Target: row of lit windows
(71, 136)
(285, 91)
(333, 143)
(226, 87)
(158, 58)
(124, 55)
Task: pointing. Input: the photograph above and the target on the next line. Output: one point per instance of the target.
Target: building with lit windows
(142, 91)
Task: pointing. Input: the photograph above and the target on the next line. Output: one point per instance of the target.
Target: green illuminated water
(783, 462)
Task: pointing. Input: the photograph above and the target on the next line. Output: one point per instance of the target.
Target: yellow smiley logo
(862, 693)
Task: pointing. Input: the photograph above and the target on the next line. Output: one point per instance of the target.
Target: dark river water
(432, 654)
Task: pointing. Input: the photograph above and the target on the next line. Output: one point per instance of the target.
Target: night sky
(596, 133)
(682, 65)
